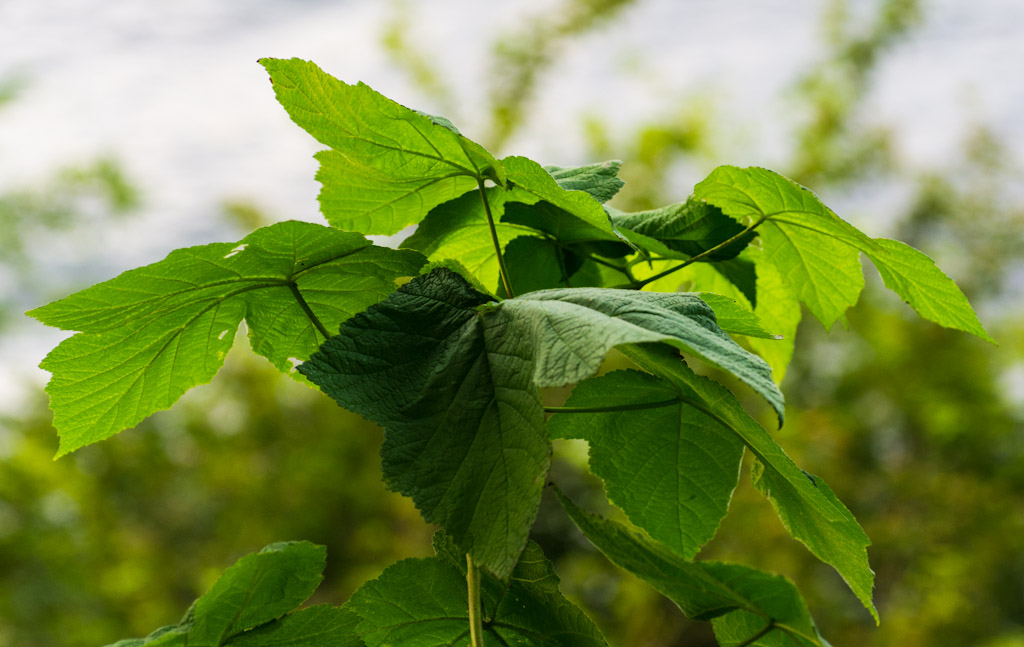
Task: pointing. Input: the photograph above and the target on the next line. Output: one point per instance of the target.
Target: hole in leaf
(235, 251)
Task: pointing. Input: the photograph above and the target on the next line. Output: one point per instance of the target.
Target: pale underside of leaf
(577, 327)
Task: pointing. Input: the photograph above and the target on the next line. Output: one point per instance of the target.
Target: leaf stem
(617, 268)
(619, 407)
(636, 285)
(753, 639)
(494, 238)
(309, 312)
(476, 624)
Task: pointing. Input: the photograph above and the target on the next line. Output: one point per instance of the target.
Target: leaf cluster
(518, 278)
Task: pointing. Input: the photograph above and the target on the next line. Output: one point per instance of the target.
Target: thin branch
(636, 285)
(619, 407)
(476, 625)
(494, 238)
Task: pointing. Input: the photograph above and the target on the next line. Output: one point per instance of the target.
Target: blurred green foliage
(912, 425)
(121, 536)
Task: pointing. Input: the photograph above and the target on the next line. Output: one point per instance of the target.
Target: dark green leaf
(808, 509)
(453, 378)
(389, 165)
(600, 180)
(423, 603)
(257, 589)
(736, 597)
(152, 333)
(688, 228)
(319, 626)
(668, 469)
(253, 595)
(465, 436)
(539, 264)
(912, 275)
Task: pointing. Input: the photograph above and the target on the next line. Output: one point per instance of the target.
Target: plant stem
(636, 285)
(309, 311)
(476, 624)
(494, 238)
(618, 407)
(753, 639)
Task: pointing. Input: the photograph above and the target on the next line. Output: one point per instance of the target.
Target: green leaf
(152, 333)
(807, 507)
(318, 626)
(688, 229)
(569, 216)
(246, 606)
(457, 267)
(423, 603)
(573, 329)
(389, 165)
(777, 309)
(668, 469)
(459, 230)
(815, 250)
(600, 180)
(734, 317)
(465, 427)
(538, 264)
(915, 277)
(453, 377)
(259, 588)
(740, 600)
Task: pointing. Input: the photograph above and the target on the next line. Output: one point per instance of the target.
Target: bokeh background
(128, 129)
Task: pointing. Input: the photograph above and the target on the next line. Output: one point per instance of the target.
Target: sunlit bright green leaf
(389, 165)
(815, 251)
(915, 277)
(152, 333)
